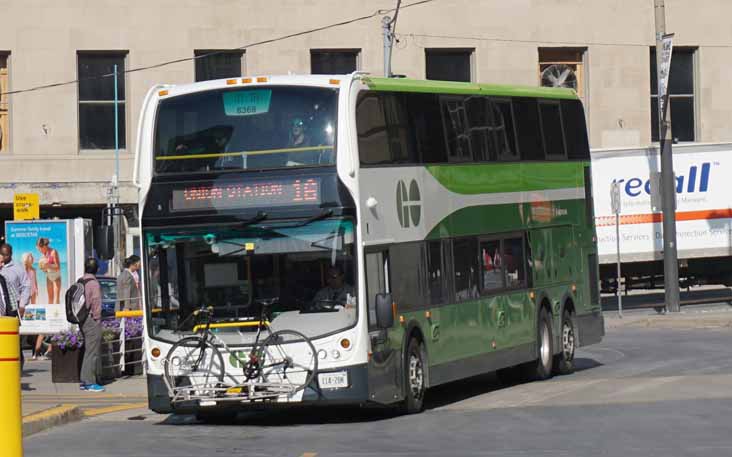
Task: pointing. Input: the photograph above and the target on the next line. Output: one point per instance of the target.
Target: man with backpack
(90, 325)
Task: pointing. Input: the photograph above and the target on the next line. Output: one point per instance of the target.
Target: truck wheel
(564, 361)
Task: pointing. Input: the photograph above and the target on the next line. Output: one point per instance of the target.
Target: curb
(63, 414)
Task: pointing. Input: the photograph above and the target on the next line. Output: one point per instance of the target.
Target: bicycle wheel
(287, 362)
(193, 370)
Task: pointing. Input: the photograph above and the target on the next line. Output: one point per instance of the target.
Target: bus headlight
(335, 354)
(322, 354)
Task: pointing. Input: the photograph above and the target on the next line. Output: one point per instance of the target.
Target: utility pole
(668, 184)
(388, 42)
(388, 28)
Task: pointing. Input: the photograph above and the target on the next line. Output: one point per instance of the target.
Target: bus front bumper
(355, 393)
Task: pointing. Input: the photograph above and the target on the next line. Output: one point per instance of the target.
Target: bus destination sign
(252, 194)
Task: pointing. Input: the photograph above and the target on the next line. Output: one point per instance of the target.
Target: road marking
(48, 413)
(91, 412)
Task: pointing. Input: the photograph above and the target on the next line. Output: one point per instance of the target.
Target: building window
(96, 99)
(449, 64)
(333, 62)
(563, 67)
(4, 108)
(218, 65)
(681, 94)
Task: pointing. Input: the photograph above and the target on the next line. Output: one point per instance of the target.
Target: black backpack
(76, 309)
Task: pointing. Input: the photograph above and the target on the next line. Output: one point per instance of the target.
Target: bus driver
(337, 292)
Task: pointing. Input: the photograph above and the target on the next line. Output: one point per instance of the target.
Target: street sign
(26, 207)
(667, 48)
(615, 197)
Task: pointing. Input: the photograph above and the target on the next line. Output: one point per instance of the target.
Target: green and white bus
(457, 216)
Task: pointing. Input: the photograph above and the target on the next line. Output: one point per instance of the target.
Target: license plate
(333, 380)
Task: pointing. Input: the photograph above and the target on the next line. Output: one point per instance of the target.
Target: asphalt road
(642, 392)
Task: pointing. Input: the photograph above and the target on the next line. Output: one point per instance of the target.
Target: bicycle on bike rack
(281, 364)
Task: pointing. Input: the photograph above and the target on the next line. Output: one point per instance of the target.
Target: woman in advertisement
(50, 264)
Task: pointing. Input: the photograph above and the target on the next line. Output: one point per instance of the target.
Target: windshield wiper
(324, 214)
(261, 215)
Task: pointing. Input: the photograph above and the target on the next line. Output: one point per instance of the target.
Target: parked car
(109, 295)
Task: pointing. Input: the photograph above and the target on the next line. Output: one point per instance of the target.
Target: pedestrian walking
(128, 285)
(91, 328)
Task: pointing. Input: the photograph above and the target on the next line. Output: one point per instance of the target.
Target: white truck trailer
(703, 214)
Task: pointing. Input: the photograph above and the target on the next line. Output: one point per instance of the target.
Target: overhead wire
(376, 13)
(553, 42)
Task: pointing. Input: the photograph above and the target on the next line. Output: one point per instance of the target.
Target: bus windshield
(304, 273)
(244, 129)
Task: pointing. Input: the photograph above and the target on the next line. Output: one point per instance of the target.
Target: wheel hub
(568, 341)
(416, 376)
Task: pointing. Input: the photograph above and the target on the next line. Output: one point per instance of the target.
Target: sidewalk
(46, 404)
(717, 316)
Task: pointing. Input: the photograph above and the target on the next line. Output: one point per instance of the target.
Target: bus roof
(450, 87)
(379, 83)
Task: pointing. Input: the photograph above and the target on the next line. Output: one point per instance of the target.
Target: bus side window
(491, 266)
(551, 130)
(435, 273)
(465, 267)
(513, 262)
(503, 127)
(455, 119)
(373, 140)
(426, 122)
(377, 281)
(575, 130)
(526, 111)
(480, 126)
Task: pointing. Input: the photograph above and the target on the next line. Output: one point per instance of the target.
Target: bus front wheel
(414, 378)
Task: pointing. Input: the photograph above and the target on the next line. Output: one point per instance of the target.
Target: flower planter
(66, 365)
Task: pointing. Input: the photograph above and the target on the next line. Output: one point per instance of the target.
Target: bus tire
(564, 361)
(414, 378)
(541, 368)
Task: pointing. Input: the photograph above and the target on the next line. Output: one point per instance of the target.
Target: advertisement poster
(703, 205)
(42, 247)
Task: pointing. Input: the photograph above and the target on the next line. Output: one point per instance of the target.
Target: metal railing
(119, 346)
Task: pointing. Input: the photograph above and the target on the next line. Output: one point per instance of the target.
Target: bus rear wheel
(414, 378)
(541, 368)
(564, 361)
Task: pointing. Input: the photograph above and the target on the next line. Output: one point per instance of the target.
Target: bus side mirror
(384, 311)
(104, 241)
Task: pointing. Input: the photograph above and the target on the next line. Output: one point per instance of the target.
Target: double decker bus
(415, 232)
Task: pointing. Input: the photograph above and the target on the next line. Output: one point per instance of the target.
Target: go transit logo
(408, 204)
(694, 181)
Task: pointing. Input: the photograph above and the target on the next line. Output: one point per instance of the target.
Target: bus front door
(384, 363)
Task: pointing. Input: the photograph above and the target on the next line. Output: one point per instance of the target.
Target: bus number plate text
(335, 380)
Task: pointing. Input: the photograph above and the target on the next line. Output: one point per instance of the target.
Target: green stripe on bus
(478, 220)
(471, 179)
(450, 87)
